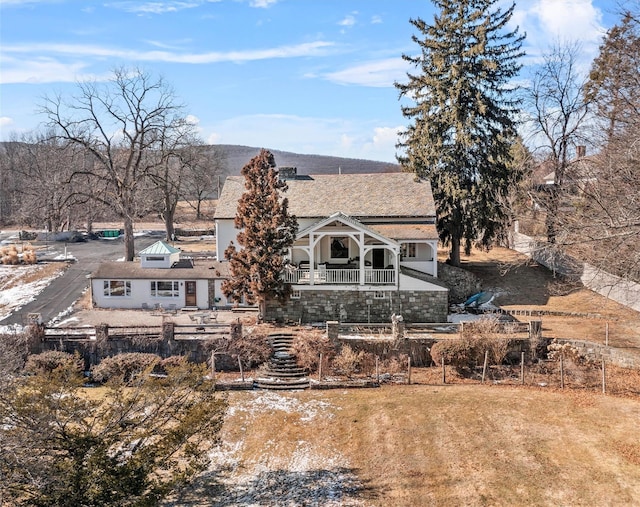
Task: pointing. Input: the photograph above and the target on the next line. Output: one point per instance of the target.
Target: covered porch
(340, 250)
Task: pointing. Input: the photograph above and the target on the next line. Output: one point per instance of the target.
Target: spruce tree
(267, 231)
(461, 118)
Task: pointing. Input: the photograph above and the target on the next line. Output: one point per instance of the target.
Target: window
(295, 294)
(409, 250)
(155, 258)
(117, 288)
(379, 294)
(165, 289)
(340, 247)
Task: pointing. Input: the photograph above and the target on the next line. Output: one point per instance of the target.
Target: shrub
(347, 361)
(308, 346)
(47, 362)
(125, 366)
(463, 354)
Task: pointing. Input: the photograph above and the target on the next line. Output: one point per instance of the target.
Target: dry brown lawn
(426, 445)
(524, 285)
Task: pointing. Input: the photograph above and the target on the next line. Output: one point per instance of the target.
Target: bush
(308, 346)
(484, 335)
(463, 354)
(125, 366)
(47, 362)
(347, 361)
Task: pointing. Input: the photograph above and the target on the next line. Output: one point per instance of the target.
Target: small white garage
(162, 278)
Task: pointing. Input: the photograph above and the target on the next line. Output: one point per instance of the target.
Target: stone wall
(360, 306)
(598, 352)
(625, 292)
(164, 344)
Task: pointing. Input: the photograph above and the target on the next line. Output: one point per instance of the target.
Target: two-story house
(366, 247)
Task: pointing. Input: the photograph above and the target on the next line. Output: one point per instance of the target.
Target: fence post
(213, 365)
(377, 370)
(604, 378)
(444, 372)
(409, 370)
(333, 330)
(484, 366)
(241, 371)
(562, 371)
(320, 368)
(522, 368)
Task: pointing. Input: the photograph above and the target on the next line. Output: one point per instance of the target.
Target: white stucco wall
(141, 293)
(225, 234)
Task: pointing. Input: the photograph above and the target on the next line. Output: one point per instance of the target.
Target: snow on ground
(305, 475)
(14, 292)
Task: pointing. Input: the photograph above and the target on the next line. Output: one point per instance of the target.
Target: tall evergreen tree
(266, 233)
(462, 117)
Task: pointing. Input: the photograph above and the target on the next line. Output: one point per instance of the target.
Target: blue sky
(307, 76)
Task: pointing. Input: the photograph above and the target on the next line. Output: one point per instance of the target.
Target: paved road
(63, 291)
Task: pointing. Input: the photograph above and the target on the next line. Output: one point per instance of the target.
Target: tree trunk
(168, 225)
(129, 247)
(454, 252)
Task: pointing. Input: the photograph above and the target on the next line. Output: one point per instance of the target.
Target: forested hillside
(237, 156)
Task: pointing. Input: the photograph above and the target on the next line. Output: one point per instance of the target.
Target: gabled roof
(345, 219)
(159, 248)
(356, 195)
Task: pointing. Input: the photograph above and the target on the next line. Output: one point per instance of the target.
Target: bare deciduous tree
(559, 116)
(204, 169)
(123, 125)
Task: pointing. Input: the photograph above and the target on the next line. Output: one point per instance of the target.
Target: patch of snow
(14, 293)
(306, 475)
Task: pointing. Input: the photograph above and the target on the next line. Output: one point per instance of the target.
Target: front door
(190, 298)
(377, 255)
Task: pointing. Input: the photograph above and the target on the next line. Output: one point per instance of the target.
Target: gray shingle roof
(356, 195)
(203, 270)
(406, 231)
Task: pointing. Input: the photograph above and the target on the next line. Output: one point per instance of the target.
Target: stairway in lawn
(283, 371)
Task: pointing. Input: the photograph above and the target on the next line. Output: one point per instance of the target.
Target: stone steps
(283, 372)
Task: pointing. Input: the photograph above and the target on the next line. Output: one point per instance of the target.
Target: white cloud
(321, 136)
(375, 20)
(379, 73)
(262, 4)
(19, 67)
(40, 70)
(348, 20)
(548, 22)
(153, 7)
(5, 121)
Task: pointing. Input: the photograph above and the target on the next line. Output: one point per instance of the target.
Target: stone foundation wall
(360, 306)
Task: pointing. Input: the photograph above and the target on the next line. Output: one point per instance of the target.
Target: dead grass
(521, 284)
(429, 445)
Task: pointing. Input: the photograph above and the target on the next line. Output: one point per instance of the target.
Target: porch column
(361, 255)
(312, 250)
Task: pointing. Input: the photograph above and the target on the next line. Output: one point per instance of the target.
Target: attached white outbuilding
(161, 279)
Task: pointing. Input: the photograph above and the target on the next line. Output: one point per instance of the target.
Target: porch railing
(341, 276)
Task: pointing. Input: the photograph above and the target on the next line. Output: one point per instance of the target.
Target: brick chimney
(581, 151)
(287, 173)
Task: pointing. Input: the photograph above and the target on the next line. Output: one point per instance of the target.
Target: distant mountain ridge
(238, 156)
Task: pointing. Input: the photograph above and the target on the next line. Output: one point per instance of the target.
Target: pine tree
(461, 118)
(267, 231)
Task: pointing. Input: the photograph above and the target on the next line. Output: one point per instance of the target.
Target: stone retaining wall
(598, 352)
(360, 306)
